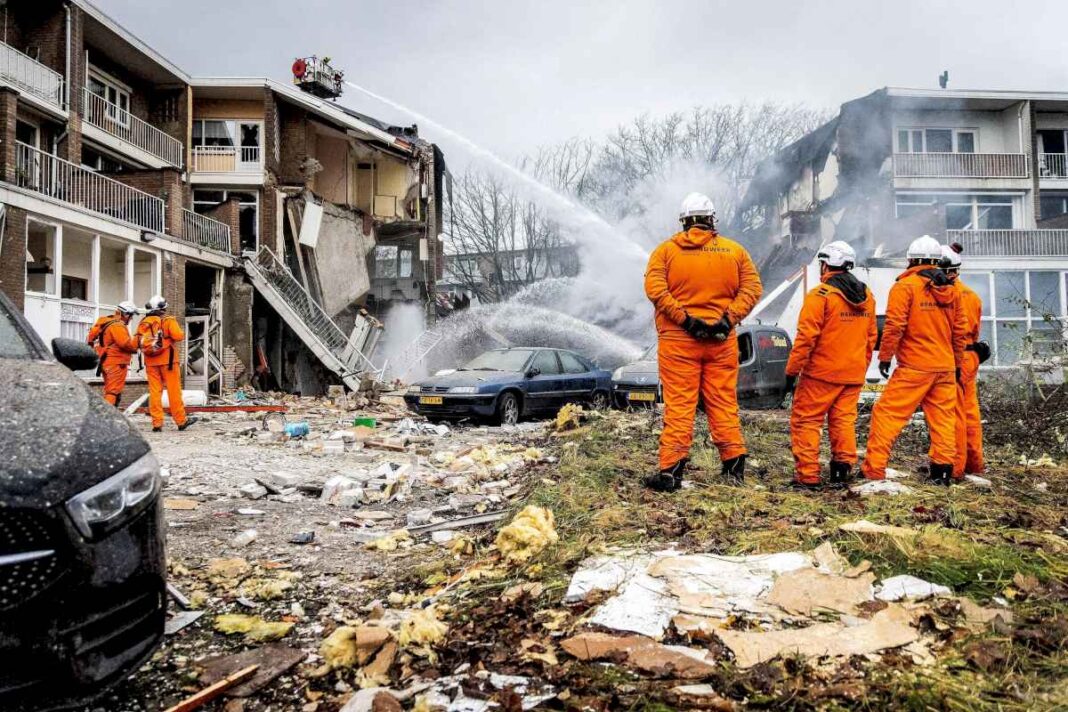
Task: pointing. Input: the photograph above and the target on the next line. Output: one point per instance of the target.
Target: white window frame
(57, 257)
(226, 196)
(913, 131)
(990, 310)
(115, 110)
(1013, 198)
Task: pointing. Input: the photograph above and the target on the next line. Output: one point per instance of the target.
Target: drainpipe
(67, 76)
(1019, 124)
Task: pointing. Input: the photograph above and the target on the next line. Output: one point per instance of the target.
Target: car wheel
(508, 409)
(599, 400)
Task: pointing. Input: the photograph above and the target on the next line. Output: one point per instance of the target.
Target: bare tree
(499, 242)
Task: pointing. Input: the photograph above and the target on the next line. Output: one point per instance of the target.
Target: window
(115, 99)
(26, 132)
(386, 262)
(1023, 312)
(1052, 205)
(40, 258)
(745, 348)
(963, 211)
(96, 161)
(937, 140)
(211, 132)
(545, 361)
(204, 201)
(225, 145)
(571, 363)
(75, 288)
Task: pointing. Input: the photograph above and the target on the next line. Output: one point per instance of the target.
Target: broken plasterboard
(310, 224)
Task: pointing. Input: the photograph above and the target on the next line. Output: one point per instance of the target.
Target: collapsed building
(986, 169)
(281, 226)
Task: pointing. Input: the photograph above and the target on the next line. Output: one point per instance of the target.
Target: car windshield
(13, 343)
(650, 354)
(504, 360)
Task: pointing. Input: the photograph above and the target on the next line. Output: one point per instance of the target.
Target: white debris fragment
(979, 481)
(876, 487)
(334, 486)
(244, 538)
(443, 536)
(252, 490)
(897, 588)
(892, 474)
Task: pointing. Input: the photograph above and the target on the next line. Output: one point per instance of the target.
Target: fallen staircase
(347, 356)
(413, 354)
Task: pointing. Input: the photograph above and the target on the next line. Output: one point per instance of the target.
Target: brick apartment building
(988, 169)
(276, 223)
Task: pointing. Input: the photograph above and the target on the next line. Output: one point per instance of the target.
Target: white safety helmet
(924, 248)
(951, 259)
(156, 303)
(127, 308)
(837, 254)
(697, 205)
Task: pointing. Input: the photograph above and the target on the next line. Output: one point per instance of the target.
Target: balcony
(31, 77)
(126, 127)
(1053, 165)
(62, 180)
(1011, 243)
(961, 165)
(205, 232)
(227, 159)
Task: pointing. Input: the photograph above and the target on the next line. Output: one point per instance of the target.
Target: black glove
(982, 350)
(791, 382)
(884, 368)
(722, 327)
(697, 328)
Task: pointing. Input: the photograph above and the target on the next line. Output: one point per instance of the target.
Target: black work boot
(734, 469)
(841, 474)
(188, 421)
(941, 474)
(667, 480)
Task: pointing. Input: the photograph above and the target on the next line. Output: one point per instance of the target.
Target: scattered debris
(863, 526)
(244, 538)
(180, 505)
(674, 661)
(350, 646)
(899, 588)
(213, 691)
(270, 661)
(302, 537)
(527, 535)
(889, 628)
(181, 620)
(874, 487)
(254, 628)
(807, 591)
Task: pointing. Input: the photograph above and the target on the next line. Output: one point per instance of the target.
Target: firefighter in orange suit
(115, 347)
(925, 331)
(969, 424)
(702, 285)
(158, 333)
(836, 333)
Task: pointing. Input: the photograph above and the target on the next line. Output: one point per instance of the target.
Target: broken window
(204, 201)
(386, 262)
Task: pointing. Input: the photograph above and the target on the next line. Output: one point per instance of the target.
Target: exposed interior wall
(238, 296)
(392, 179)
(332, 183)
(341, 258)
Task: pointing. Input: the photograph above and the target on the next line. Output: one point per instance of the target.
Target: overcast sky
(514, 74)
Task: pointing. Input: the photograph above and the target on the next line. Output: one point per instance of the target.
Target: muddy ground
(1005, 543)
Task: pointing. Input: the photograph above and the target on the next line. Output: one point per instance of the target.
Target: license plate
(874, 387)
(638, 396)
(431, 400)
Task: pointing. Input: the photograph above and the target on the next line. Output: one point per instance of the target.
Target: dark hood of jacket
(939, 285)
(855, 291)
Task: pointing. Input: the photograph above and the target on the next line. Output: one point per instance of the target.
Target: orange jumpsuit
(925, 330)
(115, 347)
(836, 333)
(704, 275)
(158, 336)
(969, 422)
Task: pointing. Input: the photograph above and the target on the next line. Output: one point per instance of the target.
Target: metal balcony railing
(1011, 243)
(52, 176)
(123, 125)
(227, 159)
(961, 165)
(205, 232)
(30, 76)
(1053, 165)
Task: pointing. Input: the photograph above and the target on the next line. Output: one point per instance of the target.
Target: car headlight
(414, 388)
(105, 506)
(463, 389)
(617, 375)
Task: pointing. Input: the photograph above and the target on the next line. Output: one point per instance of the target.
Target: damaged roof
(775, 173)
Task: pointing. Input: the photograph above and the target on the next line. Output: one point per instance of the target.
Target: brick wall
(293, 135)
(271, 129)
(71, 147)
(269, 215)
(8, 112)
(39, 30)
(174, 283)
(228, 212)
(13, 249)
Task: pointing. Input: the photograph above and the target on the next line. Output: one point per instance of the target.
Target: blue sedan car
(507, 384)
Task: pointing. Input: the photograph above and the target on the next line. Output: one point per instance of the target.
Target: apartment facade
(987, 169)
(121, 176)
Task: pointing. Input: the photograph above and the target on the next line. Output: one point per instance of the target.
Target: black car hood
(472, 378)
(57, 437)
